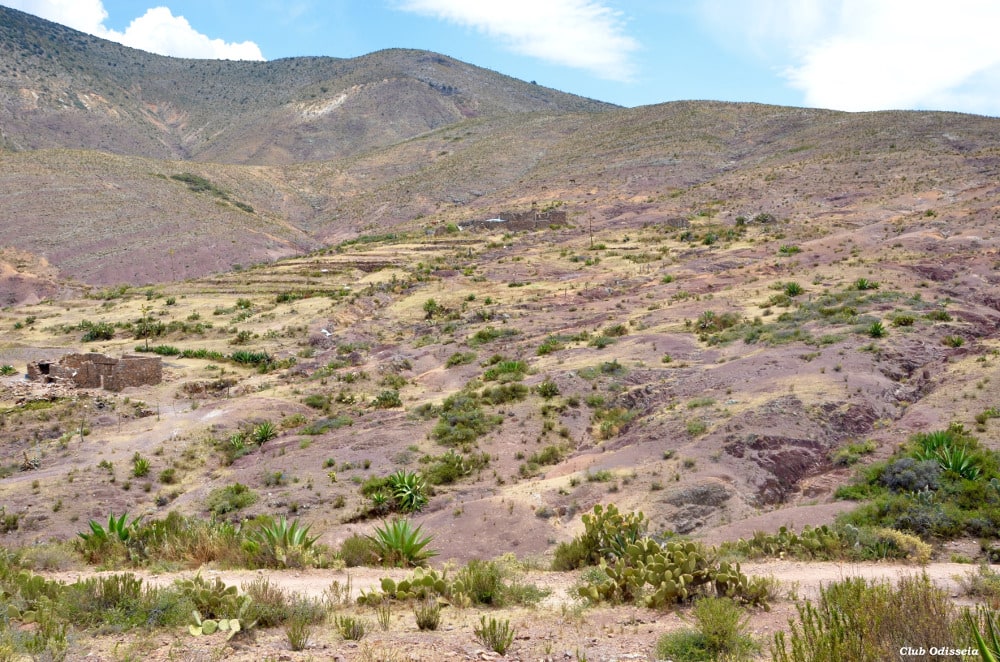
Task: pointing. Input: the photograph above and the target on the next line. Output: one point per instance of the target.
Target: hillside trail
(803, 579)
(556, 629)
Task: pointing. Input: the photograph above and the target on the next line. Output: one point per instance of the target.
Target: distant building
(93, 370)
(515, 221)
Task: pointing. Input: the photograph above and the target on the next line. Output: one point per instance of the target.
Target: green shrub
(324, 425)
(910, 475)
(427, 614)
(506, 371)
(857, 620)
(7, 370)
(953, 341)
(298, 631)
(359, 550)
(551, 344)
(269, 603)
(720, 633)
(317, 401)
(710, 322)
(489, 334)
(451, 467)
(460, 358)
(504, 393)
(462, 421)
(230, 498)
(851, 453)
(547, 389)
(388, 399)
(350, 627)
(862, 284)
(98, 331)
(495, 635)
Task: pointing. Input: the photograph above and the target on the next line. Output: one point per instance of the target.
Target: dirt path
(805, 578)
(558, 628)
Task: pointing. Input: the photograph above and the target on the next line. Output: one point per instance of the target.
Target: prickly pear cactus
(662, 575)
(421, 585)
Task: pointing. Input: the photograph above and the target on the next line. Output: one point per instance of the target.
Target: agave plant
(989, 650)
(140, 466)
(398, 544)
(380, 503)
(408, 488)
(931, 442)
(285, 543)
(118, 529)
(263, 433)
(865, 284)
(959, 461)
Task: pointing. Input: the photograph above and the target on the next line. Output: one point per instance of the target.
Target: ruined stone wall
(99, 371)
(529, 220)
(515, 221)
(133, 370)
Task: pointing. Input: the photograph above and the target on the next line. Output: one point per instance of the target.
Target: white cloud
(156, 31)
(583, 34)
(877, 54)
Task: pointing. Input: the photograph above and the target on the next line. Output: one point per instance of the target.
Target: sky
(853, 55)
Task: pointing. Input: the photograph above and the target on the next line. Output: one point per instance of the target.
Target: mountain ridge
(63, 88)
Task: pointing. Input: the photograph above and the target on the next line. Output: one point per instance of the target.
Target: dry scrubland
(492, 388)
(740, 405)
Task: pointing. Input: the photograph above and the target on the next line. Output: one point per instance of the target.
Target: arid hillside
(63, 88)
(488, 308)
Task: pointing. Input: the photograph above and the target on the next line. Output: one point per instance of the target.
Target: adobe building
(99, 371)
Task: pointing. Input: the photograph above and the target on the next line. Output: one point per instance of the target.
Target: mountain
(63, 88)
(126, 167)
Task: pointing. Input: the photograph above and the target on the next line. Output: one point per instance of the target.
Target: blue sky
(843, 54)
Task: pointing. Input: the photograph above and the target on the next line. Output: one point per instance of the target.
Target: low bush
(229, 499)
(857, 620)
(495, 635)
(720, 633)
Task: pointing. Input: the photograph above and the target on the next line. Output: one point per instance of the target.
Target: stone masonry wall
(93, 370)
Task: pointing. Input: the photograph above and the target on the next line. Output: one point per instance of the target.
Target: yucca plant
(409, 490)
(7, 370)
(876, 329)
(398, 544)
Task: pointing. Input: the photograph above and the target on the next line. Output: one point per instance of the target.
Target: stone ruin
(99, 371)
(513, 221)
